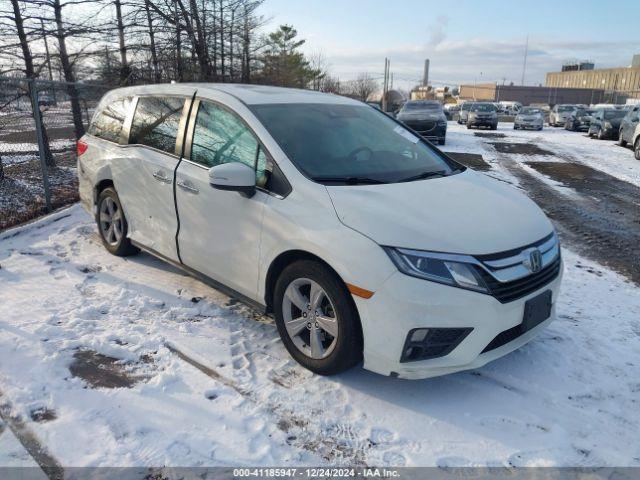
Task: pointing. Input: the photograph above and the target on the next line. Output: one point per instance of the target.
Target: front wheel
(636, 150)
(621, 141)
(112, 224)
(317, 318)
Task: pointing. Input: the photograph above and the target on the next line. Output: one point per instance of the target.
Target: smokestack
(425, 77)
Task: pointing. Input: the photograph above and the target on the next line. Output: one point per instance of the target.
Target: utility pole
(524, 64)
(385, 84)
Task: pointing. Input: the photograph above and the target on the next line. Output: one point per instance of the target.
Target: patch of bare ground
(22, 190)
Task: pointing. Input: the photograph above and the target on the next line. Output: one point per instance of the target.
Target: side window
(155, 122)
(220, 136)
(108, 122)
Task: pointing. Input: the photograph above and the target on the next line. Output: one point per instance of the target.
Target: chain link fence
(40, 122)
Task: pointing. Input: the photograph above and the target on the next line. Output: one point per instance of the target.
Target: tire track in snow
(47, 463)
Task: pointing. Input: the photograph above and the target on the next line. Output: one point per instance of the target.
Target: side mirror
(234, 176)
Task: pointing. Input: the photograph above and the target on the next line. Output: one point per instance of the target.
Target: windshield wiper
(423, 175)
(350, 180)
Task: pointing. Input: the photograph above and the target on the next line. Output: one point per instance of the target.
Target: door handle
(187, 186)
(160, 176)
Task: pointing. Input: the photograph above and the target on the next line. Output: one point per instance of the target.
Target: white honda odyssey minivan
(361, 238)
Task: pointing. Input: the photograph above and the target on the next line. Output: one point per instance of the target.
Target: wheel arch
(281, 262)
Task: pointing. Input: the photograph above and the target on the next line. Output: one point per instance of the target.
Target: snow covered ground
(112, 361)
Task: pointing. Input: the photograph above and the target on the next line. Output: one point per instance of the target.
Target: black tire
(122, 247)
(621, 141)
(494, 127)
(441, 141)
(636, 150)
(540, 129)
(515, 128)
(347, 351)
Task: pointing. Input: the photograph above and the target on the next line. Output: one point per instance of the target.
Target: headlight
(608, 125)
(454, 270)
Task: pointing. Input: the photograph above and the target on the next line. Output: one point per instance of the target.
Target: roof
(249, 94)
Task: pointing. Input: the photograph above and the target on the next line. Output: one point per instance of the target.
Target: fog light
(419, 335)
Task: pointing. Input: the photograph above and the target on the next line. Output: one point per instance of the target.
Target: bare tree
(363, 86)
(30, 71)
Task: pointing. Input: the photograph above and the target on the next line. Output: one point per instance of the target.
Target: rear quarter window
(108, 122)
(156, 122)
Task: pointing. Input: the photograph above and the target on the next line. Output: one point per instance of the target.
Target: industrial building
(619, 82)
(492, 92)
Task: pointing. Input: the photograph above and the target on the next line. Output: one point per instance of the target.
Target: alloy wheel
(110, 221)
(310, 318)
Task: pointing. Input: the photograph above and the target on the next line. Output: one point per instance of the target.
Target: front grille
(421, 126)
(509, 291)
(503, 338)
(437, 343)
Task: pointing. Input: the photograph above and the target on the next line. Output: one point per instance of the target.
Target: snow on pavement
(570, 397)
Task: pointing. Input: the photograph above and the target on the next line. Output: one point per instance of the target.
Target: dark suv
(605, 123)
(426, 118)
(580, 120)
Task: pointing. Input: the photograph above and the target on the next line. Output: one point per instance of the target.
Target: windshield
(566, 108)
(609, 114)
(466, 106)
(421, 106)
(530, 111)
(349, 144)
(483, 107)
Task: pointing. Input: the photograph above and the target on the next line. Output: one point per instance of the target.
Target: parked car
(509, 108)
(482, 114)
(328, 214)
(605, 123)
(579, 120)
(426, 118)
(628, 126)
(559, 114)
(464, 112)
(529, 117)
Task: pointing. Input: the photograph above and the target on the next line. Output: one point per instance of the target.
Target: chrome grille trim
(513, 267)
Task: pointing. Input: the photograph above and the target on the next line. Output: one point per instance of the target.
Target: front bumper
(435, 133)
(482, 122)
(528, 125)
(404, 303)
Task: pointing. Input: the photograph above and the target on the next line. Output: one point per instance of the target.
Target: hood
(465, 213)
(421, 115)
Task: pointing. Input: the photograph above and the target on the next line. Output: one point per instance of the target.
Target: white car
(363, 240)
(560, 113)
(529, 118)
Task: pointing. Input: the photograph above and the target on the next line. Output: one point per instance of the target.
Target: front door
(144, 181)
(219, 232)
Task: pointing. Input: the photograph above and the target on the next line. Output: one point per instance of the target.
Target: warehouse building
(620, 83)
(492, 92)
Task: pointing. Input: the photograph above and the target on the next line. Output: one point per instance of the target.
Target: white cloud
(461, 61)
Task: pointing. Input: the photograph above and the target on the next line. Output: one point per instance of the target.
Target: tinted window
(422, 106)
(340, 143)
(108, 122)
(610, 114)
(220, 136)
(156, 122)
(483, 107)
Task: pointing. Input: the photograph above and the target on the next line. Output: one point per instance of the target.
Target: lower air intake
(425, 343)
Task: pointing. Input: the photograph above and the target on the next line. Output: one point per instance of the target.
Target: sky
(466, 41)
